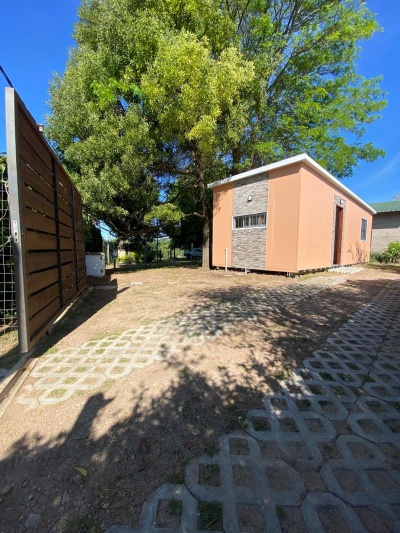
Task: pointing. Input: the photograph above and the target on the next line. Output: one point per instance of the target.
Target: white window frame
(249, 221)
(366, 228)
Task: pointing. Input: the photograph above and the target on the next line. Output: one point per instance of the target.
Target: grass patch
(315, 389)
(260, 423)
(56, 393)
(366, 378)
(353, 366)
(175, 507)
(82, 524)
(209, 516)
(211, 449)
(303, 405)
(280, 512)
(53, 349)
(177, 479)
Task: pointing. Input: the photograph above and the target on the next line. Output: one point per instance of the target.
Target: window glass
(250, 221)
(363, 229)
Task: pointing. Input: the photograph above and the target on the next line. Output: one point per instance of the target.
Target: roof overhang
(302, 158)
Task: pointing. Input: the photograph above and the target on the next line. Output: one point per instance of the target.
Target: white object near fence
(95, 264)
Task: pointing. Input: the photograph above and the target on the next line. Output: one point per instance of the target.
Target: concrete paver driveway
(322, 455)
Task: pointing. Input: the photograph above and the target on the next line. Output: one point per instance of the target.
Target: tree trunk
(206, 212)
(207, 259)
(236, 152)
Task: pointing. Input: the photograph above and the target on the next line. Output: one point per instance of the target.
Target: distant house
(290, 216)
(385, 225)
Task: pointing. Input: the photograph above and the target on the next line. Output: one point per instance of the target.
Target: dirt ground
(138, 432)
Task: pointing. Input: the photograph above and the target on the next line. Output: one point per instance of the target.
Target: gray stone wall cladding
(385, 229)
(257, 188)
(249, 244)
(249, 248)
(336, 201)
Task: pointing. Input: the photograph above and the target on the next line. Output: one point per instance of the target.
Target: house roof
(386, 207)
(301, 158)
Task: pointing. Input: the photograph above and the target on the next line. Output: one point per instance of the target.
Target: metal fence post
(17, 230)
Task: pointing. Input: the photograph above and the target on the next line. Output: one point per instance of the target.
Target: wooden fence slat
(33, 220)
(63, 177)
(38, 184)
(39, 301)
(29, 156)
(68, 282)
(66, 244)
(30, 198)
(39, 280)
(63, 193)
(43, 317)
(35, 141)
(64, 218)
(81, 255)
(40, 260)
(40, 241)
(67, 269)
(69, 293)
(67, 257)
(65, 206)
(65, 231)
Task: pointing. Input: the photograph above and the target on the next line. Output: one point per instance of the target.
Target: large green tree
(161, 97)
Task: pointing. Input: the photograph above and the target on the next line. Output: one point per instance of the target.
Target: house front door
(337, 251)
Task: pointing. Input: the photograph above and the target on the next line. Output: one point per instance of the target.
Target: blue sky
(36, 37)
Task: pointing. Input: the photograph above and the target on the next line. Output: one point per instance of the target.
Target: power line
(6, 77)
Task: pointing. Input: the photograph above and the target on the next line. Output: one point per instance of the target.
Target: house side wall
(248, 244)
(283, 219)
(222, 224)
(385, 229)
(354, 249)
(318, 202)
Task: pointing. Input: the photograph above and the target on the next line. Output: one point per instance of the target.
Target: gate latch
(15, 234)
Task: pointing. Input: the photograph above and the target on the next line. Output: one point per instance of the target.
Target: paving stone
(324, 512)
(322, 455)
(87, 367)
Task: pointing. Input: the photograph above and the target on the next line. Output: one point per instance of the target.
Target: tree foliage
(168, 96)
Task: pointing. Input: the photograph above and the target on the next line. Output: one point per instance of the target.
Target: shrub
(391, 255)
(129, 258)
(393, 252)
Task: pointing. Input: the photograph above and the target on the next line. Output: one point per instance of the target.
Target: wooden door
(337, 253)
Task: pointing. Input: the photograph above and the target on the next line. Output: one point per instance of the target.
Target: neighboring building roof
(386, 207)
(302, 158)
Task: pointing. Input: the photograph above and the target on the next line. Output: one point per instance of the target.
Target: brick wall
(385, 229)
(249, 244)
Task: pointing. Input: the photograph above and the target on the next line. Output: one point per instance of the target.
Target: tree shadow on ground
(385, 267)
(131, 449)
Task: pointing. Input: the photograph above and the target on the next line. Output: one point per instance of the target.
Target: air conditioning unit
(95, 264)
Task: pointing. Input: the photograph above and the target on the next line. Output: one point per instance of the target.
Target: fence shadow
(86, 306)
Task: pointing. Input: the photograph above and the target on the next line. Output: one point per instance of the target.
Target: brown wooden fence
(46, 224)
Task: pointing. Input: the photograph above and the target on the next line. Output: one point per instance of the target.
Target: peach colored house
(291, 216)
